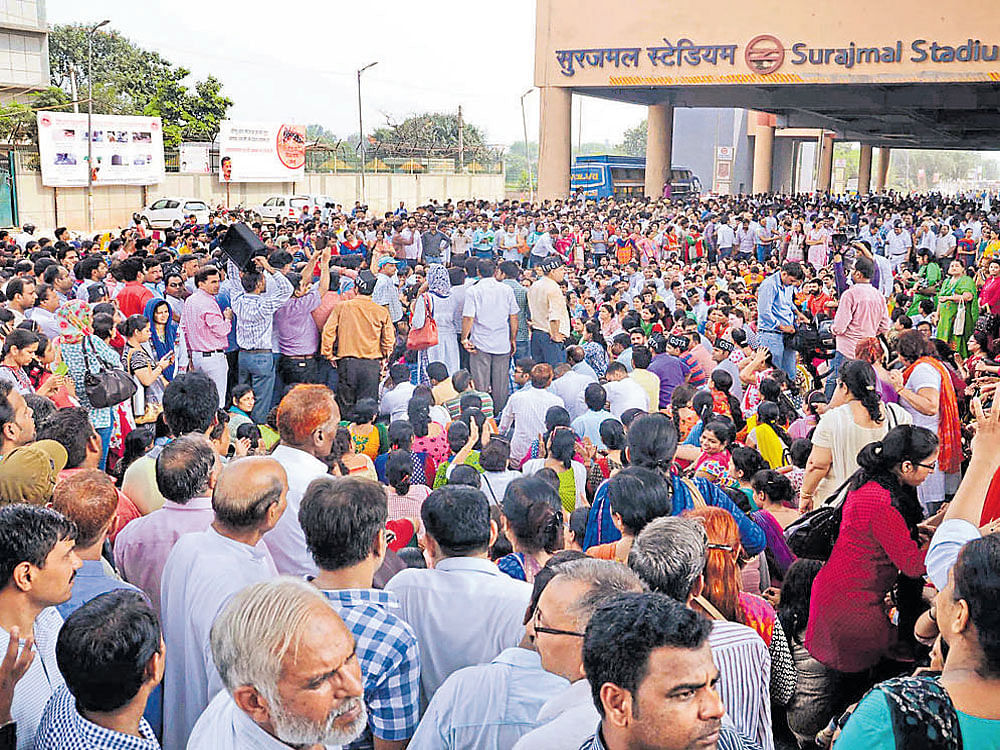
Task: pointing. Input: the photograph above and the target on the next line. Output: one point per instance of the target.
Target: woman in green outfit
(958, 308)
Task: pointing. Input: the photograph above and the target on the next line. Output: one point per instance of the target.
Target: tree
(634, 141)
(129, 80)
(434, 132)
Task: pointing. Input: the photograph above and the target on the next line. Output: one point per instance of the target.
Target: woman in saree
(958, 308)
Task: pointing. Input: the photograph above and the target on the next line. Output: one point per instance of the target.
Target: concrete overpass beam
(865, 170)
(763, 152)
(554, 142)
(825, 177)
(882, 176)
(659, 144)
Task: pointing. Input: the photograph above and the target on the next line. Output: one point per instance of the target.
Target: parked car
(167, 213)
(278, 208)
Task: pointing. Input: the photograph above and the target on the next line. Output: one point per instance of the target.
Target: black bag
(813, 535)
(110, 386)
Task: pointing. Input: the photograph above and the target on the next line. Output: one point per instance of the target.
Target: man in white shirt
(308, 417)
(394, 400)
(461, 579)
(624, 393)
(669, 556)
(569, 386)
(526, 411)
(564, 609)
(273, 703)
(489, 332)
(897, 245)
(725, 238)
(205, 569)
(37, 554)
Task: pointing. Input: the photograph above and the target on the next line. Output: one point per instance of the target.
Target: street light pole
(361, 130)
(90, 128)
(527, 156)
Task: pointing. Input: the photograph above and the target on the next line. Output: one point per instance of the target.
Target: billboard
(193, 158)
(261, 151)
(127, 150)
(587, 43)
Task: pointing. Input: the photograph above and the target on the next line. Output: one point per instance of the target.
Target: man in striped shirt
(669, 555)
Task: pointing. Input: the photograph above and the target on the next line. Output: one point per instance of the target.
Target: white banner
(194, 158)
(261, 151)
(127, 150)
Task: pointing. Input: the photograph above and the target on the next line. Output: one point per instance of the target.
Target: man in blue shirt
(588, 424)
(776, 313)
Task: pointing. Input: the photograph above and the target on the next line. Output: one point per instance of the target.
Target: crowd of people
(573, 474)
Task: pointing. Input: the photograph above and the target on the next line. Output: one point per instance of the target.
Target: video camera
(843, 237)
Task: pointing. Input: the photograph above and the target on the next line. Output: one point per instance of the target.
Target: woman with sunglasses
(880, 538)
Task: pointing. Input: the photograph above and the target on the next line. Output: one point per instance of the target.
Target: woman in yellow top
(364, 431)
(768, 436)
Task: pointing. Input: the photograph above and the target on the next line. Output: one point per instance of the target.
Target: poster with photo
(194, 158)
(261, 151)
(127, 150)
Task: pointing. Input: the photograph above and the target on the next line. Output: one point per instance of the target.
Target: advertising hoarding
(261, 151)
(127, 150)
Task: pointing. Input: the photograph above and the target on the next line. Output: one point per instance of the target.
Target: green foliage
(634, 141)
(319, 134)
(129, 80)
(18, 121)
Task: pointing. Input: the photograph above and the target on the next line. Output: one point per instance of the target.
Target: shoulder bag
(426, 336)
(107, 387)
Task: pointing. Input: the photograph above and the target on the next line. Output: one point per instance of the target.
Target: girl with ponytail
(857, 416)
(405, 497)
(532, 521)
(768, 436)
(723, 593)
(879, 539)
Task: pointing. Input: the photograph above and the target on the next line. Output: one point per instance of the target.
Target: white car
(170, 213)
(279, 208)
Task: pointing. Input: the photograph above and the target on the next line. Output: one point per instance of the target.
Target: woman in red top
(849, 630)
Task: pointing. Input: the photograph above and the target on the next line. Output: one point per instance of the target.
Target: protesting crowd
(570, 475)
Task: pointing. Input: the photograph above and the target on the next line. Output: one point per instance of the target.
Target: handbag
(813, 534)
(108, 387)
(143, 411)
(958, 324)
(427, 335)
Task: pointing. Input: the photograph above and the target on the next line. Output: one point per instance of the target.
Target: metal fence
(321, 160)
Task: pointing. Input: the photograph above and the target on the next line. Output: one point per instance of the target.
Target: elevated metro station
(893, 75)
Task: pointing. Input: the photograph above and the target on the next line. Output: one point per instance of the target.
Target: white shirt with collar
(224, 726)
(526, 411)
(490, 304)
(42, 679)
(570, 387)
(565, 721)
(203, 570)
(395, 400)
(286, 541)
(464, 611)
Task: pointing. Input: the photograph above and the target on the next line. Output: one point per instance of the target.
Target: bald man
(203, 570)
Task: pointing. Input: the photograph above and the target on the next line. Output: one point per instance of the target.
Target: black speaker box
(240, 243)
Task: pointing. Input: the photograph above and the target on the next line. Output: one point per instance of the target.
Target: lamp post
(361, 130)
(527, 156)
(90, 129)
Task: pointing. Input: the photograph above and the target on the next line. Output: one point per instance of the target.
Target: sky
(297, 63)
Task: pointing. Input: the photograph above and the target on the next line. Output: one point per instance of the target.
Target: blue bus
(605, 175)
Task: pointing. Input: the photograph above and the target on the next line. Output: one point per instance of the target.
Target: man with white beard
(291, 673)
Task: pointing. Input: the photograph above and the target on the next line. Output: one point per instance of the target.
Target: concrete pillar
(659, 141)
(554, 142)
(865, 170)
(824, 180)
(763, 150)
(882, 176)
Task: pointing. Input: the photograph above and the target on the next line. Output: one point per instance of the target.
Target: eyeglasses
(551, 631)
(929, 467)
